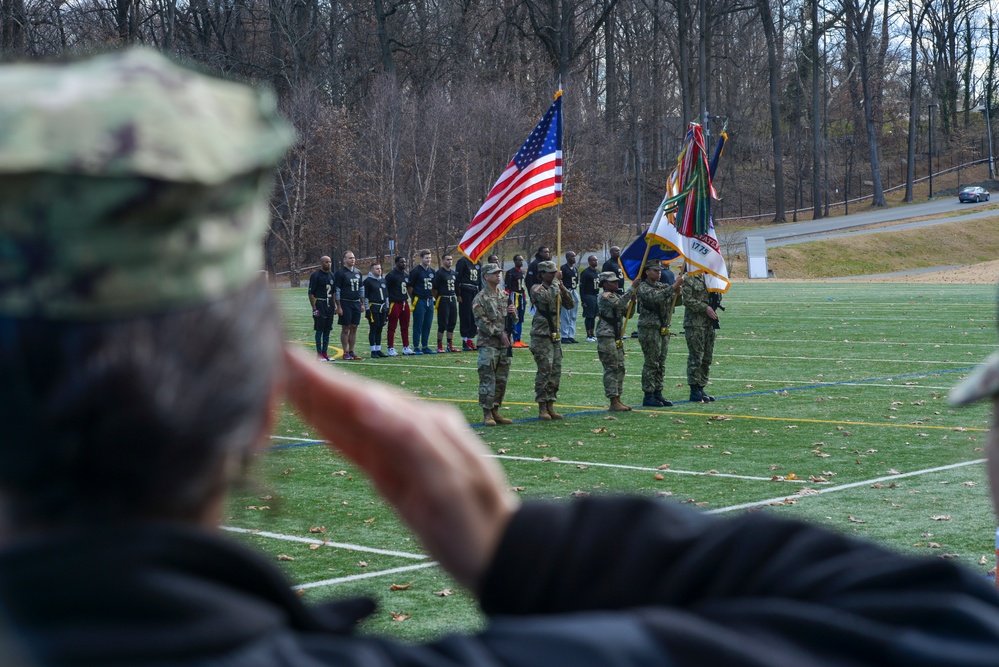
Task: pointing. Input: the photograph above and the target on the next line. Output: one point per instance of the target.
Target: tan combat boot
(543, 412)
(487, 417)
(500, 419)
(550, 405)
(617, 406)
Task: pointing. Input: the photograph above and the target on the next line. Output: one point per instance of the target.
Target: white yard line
(842, 487)
(325, 543)
(626, 467)
(366, 575)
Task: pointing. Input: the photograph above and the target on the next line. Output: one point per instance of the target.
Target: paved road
(826, 228)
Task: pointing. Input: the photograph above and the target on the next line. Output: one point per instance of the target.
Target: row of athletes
(493, 310)
(448, 292)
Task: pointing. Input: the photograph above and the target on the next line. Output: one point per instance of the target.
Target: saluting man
(546, 346)
(611, 309)
(491, 307)
(656, 299)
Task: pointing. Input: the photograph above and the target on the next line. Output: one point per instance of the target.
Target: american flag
(532, 181)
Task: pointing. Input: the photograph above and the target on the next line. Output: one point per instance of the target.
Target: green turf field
(830, 408)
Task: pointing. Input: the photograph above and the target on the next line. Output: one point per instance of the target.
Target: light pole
(930, 152)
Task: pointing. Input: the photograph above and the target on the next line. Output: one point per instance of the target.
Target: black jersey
(376, 293)
(397, 283)
(589, 282)
(615, 266)
(348, 284)
(570, 277)
(468, 274)
(514, 280)
(445, 282)
(422, 281)
(321, 285)
(532, 279)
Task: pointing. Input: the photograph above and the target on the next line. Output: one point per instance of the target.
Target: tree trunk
(816, 111)
(767, 19)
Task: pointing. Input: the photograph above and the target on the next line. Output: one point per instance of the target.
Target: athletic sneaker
(348, 356)
(427, 350)
(392, 352)
(591, 339)
(355, 357)
(472, 346)
(417, 350)
(519, 344)
(408, 351)
(451, 348)
(464, 346)
(440, 349)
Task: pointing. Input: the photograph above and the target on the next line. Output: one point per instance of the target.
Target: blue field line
(747, 394)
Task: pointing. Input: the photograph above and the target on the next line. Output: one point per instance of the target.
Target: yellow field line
(731, 416)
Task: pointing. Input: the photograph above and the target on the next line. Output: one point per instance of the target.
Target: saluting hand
(422, 457)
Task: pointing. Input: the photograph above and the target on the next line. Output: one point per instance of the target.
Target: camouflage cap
(130, 185)
(608, 276)
(491, 268)
(547, 267)
(653, 265)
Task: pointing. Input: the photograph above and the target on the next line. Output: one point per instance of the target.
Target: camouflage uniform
(611, 306)
(698, 329)
(547, 352)
(656, 300)
(489, 309)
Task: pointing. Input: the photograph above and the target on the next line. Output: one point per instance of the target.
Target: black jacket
(597, 582)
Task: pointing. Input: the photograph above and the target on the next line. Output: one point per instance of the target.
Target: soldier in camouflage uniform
(491, 307)
(699, 324)
(656, 300)
(611, 309)
(545, 343)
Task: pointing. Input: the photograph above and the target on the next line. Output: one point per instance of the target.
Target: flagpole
(640, 276)
(558, 221)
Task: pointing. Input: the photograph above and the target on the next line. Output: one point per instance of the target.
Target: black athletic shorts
(323, 323)
(590, 305)
(351, 314)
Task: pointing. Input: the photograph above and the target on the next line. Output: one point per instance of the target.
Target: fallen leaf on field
(663, 494)
(313, 547)
(284, 557)
(659, 477)
(853, 519)
(339, 472)
(602, 429)
(933, 545)
(612, 435)
(549, 458)
(791, 475)
(399, 616)
(821, 454)
(982, 560)
(679, 421)
(371, 520)
(701, 504)
(941, 517)
(517, 489)
(806, 492)
(317, 529)
(664, 466)
(877, 485)
(610, 419)
(502, 450)
(704, 446)
(444, 593)
(711, 472)
(362, 563)
(400, 587)
(817, 479)
(720, 418)
(791, 426)
(967, 483)
(654, 415)
(255, 507)
(892, 471)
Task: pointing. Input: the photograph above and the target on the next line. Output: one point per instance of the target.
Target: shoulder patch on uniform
(536, 287)
(607, 295)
